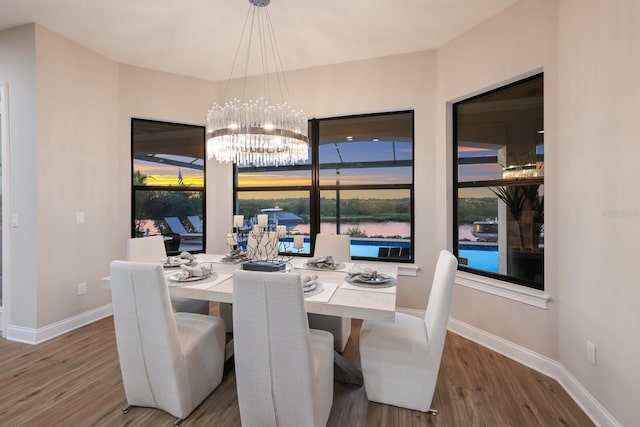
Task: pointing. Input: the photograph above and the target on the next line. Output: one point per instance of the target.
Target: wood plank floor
(74, 380)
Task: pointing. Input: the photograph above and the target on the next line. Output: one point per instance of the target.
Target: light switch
(79, 217)
(14, 220)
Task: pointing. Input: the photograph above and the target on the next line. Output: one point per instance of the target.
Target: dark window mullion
(347, 187)
(314, 219)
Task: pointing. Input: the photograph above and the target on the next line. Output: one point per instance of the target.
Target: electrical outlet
(591, 352)
(82, 288)
(79, 217)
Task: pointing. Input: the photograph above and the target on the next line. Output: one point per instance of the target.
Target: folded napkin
(309, 282)
(323, 262)
(182, 259)
(187, 255)
(172, 261)
(236, 255)
(367, 273)
(197, 271)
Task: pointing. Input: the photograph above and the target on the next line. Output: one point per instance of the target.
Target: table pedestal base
(345, 371)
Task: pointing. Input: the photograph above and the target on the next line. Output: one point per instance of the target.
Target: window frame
(188, 189)
(315, 188)
(488, 279)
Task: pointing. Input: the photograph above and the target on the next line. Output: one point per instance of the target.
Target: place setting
(325, 263)
(236, 256)
(311, 286)
(185, 258)
(313, 290)
(188, 274)
(368, 278)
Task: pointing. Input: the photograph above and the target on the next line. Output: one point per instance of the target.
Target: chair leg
(432, 411)
(177, 422)
(126, 410)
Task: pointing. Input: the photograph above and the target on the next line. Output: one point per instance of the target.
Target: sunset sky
(346, 152)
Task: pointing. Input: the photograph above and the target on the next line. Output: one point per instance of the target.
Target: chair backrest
(336, 245)
(146, 335)
(437, 315)
(262, 245)
(146, 249)
(272, 349)
(196, 222)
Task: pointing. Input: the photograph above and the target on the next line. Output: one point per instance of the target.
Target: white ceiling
(199, 37)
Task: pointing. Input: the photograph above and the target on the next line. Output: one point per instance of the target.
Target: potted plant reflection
(525, 205)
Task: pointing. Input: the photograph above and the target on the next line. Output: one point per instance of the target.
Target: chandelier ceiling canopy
(257, 132)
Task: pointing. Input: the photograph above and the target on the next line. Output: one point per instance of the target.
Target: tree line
(362, 210)
(477, 209)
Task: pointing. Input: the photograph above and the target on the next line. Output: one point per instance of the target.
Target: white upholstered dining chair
(339, 247)
(170, 361)
(401, 360)
(284, 370)
(151, 249)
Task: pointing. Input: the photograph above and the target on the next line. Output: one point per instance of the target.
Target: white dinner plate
(379, 282)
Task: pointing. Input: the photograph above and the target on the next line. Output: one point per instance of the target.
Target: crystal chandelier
(256, 132)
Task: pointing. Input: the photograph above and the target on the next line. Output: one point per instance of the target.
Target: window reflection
(366, 176)
(499, 140)
(168, 183)
(361, 184)
(288, 208)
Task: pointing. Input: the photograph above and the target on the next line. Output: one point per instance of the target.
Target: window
(499, 183)
(168, 187)
(358, 181)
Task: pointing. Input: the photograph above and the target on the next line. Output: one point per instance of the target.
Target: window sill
(510, 291)
(407, 269)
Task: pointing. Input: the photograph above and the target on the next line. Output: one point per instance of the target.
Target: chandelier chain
(235, 57)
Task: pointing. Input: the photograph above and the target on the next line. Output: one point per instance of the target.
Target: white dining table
(338, 297)
(346, 300)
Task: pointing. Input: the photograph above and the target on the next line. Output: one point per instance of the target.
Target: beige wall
(598, 213)
(77, 164)
(482, 59)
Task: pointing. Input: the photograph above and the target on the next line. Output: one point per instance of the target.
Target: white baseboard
(36, 336)
(549, 367)
(411, 311)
